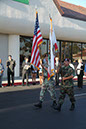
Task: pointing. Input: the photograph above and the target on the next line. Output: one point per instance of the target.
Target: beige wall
(18, 18)
(10, 45)
(14, 50)
(4, 50)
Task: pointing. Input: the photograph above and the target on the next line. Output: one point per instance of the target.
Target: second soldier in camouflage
(66, 85)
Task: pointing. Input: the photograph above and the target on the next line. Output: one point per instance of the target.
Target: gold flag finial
(50, 17)
(36, 10)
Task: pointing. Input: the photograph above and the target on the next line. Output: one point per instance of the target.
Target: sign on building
(23, 1)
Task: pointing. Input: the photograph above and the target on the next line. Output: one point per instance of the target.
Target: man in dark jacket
(25, 71)
(10, 69)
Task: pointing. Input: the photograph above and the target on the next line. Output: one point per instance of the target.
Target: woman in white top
(80, 73)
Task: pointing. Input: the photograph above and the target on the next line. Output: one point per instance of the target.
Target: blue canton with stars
(36, 25)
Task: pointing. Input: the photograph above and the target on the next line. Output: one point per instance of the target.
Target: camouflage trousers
(48, 86)
(66, 90)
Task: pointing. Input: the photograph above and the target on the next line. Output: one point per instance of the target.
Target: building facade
(17, 22)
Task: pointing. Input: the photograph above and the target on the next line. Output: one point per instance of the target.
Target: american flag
(37, 40)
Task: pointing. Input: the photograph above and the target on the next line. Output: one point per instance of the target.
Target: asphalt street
(17, 110)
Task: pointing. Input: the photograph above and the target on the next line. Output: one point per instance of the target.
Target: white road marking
(77, 95)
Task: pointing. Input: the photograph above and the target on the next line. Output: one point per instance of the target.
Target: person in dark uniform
(25, 71)
(10, 69)
(80, 73)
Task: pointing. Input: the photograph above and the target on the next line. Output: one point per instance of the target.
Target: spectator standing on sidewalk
(1, 72)
(85, 70)
(10, 69)
(40, 72)
(80, 73)
(34, 73)
(25, 71)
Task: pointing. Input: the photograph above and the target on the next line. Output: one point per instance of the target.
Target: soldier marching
(67, 74)
(48, 85)
(66, 85)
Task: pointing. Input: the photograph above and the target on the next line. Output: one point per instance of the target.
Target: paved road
(17, 110)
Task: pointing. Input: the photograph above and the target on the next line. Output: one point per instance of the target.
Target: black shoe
(8, 84)
(58, 107)
(54, 104)
(39, 105)
(72, 107)
(34, 83)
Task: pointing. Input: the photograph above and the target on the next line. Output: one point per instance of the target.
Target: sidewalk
(18, 88)
(18, 81)
(30, 87)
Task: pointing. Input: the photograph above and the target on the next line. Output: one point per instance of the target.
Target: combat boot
(72, 107)
(54, 104)
(39, 105)
(58, 107)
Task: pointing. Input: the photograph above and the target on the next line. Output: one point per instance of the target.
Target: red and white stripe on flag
(49, 68)
(37, 40)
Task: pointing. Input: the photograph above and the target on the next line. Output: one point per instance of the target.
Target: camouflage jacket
(67, 71)
(45, 71)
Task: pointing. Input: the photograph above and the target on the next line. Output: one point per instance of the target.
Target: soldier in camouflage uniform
(46, 86)
(67, 73)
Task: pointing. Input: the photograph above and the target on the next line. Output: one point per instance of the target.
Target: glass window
(44, 48)
(57, 52)
(25, 49)
(65, 50)
(76, 51)
(84, 52)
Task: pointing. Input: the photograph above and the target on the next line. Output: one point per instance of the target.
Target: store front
(17, 21)
(67, 49)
